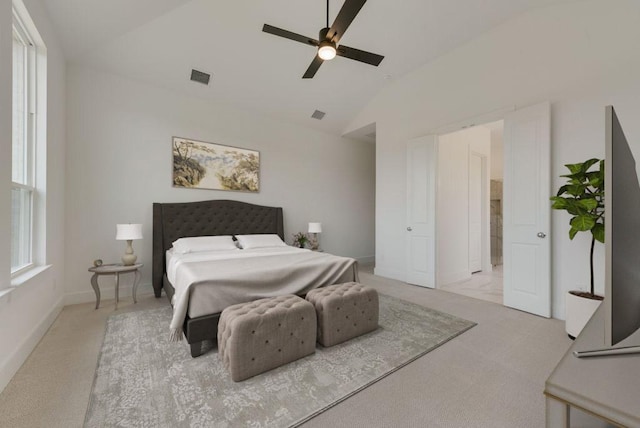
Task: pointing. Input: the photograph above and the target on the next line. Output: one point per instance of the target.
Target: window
(23, 174)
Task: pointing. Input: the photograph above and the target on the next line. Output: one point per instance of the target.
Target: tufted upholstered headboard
(172, 221)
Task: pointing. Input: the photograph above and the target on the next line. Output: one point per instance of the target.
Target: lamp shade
(315, 227)
(126, 232)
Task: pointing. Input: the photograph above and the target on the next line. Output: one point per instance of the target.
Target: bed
(172, 221)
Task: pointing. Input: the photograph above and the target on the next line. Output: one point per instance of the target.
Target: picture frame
(203, 165)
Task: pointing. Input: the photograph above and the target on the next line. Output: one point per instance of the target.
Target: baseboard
(107, 292)
(390, 273)
(366, 260)
(12, 364)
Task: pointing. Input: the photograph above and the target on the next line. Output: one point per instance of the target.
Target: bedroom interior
(115, 91)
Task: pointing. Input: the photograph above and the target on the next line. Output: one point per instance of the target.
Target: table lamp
(315, 228)
(128, 232)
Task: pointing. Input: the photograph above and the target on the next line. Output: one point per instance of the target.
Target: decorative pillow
(259, 241)
(204, 243)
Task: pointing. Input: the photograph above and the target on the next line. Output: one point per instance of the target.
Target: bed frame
(172, 221)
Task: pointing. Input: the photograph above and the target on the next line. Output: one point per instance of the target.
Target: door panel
(420, 229)
(526, 245)
(523, 260)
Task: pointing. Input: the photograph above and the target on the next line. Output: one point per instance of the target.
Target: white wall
(119, 161)
(497, 154)
(26, 312)
(578, 55)
(453, 201)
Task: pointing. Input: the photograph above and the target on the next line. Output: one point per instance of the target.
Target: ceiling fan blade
(315, 65)
(358, 55)
(289, 35)
(347, 14)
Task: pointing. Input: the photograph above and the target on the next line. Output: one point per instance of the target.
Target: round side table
(115, 270)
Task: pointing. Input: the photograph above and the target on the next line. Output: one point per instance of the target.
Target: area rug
(143, 380)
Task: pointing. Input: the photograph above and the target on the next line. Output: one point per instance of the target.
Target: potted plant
(300, 239)
(583, 198)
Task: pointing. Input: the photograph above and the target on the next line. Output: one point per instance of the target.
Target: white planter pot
(578, 311)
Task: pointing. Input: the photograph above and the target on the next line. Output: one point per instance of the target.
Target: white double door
(526, 220)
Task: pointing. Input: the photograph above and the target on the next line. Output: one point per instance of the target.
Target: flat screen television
(622, 245)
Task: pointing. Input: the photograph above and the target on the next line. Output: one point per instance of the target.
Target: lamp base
(314, 242)
(129, 258)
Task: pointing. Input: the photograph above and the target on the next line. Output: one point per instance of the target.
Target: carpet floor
(143, 380)
(491, 376)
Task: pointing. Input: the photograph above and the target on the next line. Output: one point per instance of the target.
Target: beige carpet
(142, 378)
(491, 376)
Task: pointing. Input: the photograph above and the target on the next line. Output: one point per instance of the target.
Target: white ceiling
(159, 41)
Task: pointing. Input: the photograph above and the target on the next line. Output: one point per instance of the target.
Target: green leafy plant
(583, 198)
(300, 239)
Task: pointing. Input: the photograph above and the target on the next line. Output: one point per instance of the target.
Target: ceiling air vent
(318, 114)
(200, 77)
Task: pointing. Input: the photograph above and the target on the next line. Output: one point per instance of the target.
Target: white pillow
(259, 241)
(204, 243)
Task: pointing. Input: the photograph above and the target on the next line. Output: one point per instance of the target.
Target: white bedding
(175, 260)
(207, 282)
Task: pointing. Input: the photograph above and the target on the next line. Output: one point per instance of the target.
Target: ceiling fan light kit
(327, 50)
(329, 37)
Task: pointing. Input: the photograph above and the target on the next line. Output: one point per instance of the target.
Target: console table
(115, 270)
(606, 387)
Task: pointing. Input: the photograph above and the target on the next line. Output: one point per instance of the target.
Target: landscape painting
(200, 165)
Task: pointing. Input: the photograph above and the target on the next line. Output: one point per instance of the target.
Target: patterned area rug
(143, 380)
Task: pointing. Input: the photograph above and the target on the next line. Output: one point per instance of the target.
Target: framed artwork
(200, 165)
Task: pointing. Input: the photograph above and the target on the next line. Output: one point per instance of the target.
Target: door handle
(541, 235)
(409, 229)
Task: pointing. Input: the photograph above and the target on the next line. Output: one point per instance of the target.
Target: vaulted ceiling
(160, 41)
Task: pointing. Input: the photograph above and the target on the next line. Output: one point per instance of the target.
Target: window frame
(30, 141)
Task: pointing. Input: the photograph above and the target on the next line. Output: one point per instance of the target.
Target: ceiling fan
(329, 37)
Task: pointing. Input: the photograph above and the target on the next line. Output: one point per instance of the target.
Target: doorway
(469, 224)
(525, 210)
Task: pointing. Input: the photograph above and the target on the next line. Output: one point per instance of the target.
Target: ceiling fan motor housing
(323, 34)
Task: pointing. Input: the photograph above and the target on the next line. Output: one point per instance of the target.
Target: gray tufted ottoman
(344, 311)
(264, 334)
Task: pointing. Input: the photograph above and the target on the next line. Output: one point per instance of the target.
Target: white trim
(13, 362)
(4, 292)
(21, 186)
(366, 259)
(26, 232)
(26, 274)
(33, 247)
(20, 10)
(396, 274)
(16, 273)
(479, 120)
(23, 20)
